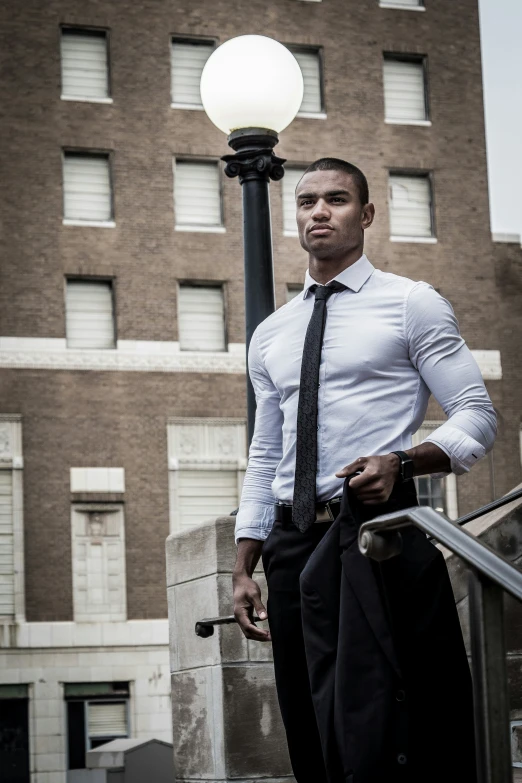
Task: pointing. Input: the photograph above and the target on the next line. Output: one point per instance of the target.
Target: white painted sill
(190, 106)
(90, 223)
(420, 123)
(202, 229)
(398, 6)
(312, 115)
(290, 233)
(82, 99)
(422, 240)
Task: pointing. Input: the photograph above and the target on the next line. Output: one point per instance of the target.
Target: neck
(325, 269)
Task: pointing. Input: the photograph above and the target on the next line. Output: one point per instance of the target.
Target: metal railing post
(490, 685)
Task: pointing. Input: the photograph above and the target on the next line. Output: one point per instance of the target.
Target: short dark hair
(336, 164)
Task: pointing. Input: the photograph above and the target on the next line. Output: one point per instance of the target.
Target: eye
(338, 198)
(305, 202)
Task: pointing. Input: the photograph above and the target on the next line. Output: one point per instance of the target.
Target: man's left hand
(378, 475)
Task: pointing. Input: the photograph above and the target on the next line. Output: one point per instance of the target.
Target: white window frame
(200, 456)
(428, 175)
(421, 60)
(181, 39)
(210, 228)
(318, 50)
(293, 288)
(450, 481)
(111, 223)
(99, 31)
(11, 459)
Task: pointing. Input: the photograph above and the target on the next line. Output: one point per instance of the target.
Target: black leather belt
(325, 512)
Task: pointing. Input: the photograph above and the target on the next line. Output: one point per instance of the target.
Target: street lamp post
(252, 88)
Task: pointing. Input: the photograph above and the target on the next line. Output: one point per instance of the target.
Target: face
(330, 217)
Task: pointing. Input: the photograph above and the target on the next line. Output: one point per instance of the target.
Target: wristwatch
(406, 466)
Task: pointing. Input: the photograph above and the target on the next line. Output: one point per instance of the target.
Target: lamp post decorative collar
(254, 158)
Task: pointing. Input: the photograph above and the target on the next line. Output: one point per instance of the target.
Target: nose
(320, 210)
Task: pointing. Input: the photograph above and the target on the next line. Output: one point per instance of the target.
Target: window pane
(310, 65)
(89, 314)
(292, 291)
(84, 64)
(188, 61)
(197, 199)
(206, 494)
(107, 719)
(404, 90)
(290, 180)
(87, 187)
(76, 734)
(201, 318)
(410, 206)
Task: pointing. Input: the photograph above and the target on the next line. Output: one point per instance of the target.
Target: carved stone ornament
(5, 442)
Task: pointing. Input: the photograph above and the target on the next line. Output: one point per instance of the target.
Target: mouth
(320, 230)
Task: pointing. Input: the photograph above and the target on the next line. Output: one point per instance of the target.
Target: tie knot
(325, 291)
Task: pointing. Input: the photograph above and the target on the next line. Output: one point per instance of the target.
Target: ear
(367, 216)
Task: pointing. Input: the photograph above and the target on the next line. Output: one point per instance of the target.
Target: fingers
(247, 601)
(243, 616)
(353, 467)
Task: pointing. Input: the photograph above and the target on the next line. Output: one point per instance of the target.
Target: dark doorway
(14, 741)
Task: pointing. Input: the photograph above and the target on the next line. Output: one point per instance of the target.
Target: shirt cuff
(463, 450)
(254, 520)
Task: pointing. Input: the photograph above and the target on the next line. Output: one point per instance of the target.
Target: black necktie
(303, 512)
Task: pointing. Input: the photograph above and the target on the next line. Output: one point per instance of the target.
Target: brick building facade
(108, 439)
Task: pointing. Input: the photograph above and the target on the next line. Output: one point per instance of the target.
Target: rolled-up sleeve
(256, 510)
(448, 368)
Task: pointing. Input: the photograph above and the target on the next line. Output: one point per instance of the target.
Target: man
(342, 376)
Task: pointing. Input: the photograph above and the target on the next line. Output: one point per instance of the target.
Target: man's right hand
(247, 593)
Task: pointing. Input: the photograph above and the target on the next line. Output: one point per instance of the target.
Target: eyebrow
(328, 193)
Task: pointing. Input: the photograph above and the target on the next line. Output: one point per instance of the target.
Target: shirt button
(401, 758)
(400, 696)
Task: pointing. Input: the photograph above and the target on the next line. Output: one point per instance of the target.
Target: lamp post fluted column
(255, 164)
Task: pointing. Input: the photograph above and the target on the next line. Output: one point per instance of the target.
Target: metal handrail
(490, 507)
(474, 552)
(490, 575)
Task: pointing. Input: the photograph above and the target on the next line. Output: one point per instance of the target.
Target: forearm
(428, 458)
(248, 554)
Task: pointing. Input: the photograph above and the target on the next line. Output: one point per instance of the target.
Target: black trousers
(343, 721)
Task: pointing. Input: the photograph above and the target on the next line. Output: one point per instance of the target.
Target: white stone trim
(85, 100)
(511, 239)
(97, 479)
(490, 364)
(132, 633)
(312, 115)
(421, 123)
(422, 240)
(89, 223)
(400, 7)
(155, 356)
(201, 229)
(129, 355)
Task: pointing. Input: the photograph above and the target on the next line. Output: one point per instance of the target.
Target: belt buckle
(324, 514)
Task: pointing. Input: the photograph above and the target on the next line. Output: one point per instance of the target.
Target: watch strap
(406, 466)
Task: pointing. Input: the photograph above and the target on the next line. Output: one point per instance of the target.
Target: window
(11, 519)
(85, 68)
(290, 180)
(98, 553)
(414, 5)
(405, 99)
(188, 59)
(97, 713)
(207, 460)
(411, 209)
(89, 318)
(310, 63)
(14, 733)
(197, 196)
(292, 290)
(87, 192)
(440, 494)
(201, 318)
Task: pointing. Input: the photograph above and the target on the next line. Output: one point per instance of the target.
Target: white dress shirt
(388, 343)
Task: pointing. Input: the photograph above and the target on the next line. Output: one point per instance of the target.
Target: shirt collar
(353, 277)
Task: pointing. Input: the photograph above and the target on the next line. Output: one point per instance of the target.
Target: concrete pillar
(226, 721)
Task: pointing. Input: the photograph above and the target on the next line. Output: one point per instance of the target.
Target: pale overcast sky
(501, 30)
